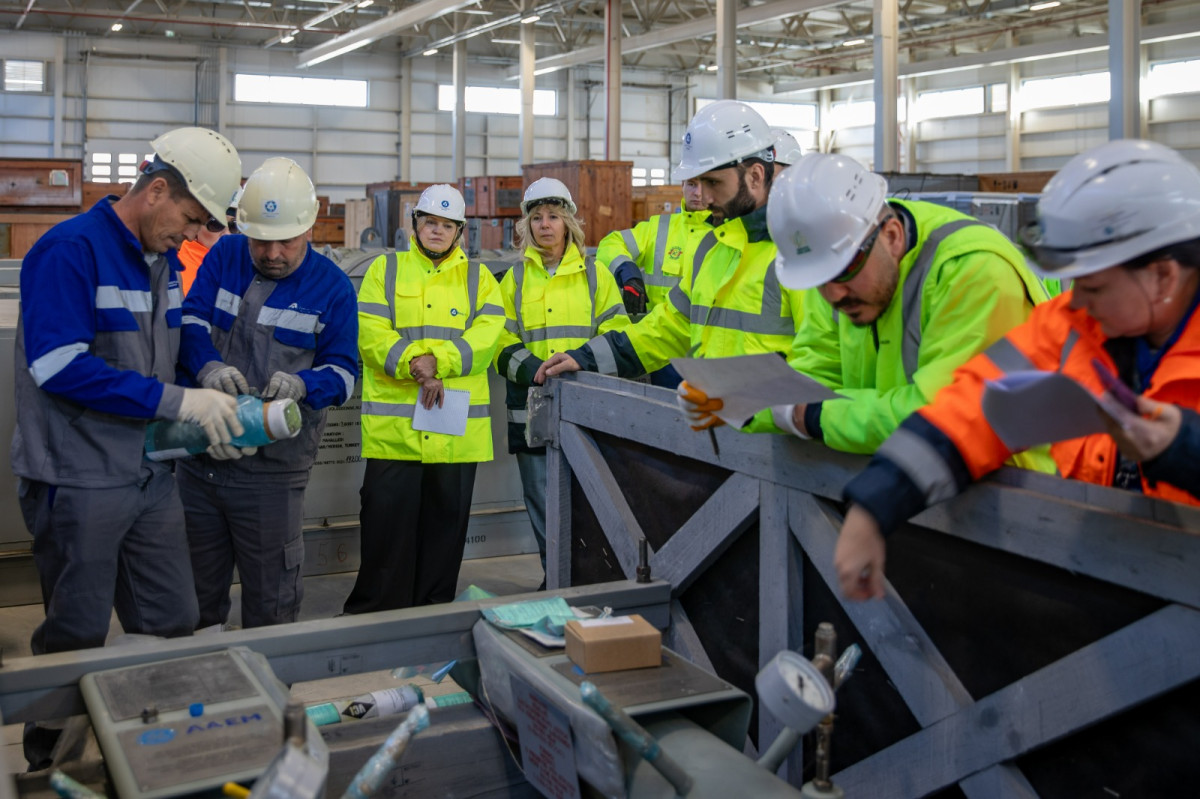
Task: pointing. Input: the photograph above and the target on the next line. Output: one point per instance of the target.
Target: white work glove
(700, 410)
(782, 416)
(285, 386)
(228, 452)
(228, 379)
(214, 411)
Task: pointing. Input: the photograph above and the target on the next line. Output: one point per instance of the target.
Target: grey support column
(726, 49)
(528, 38)
(572, 129)
(887, 34)
(60, 79)
(1012, 131)
(460, 109)
(612, 80)
(405, 171)
(1124, 68)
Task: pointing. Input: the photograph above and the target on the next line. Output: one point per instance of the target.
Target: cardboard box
(613, 644)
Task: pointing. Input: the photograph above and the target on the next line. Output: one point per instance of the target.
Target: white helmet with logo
(722, 134)
(1111, 204)
(819, 213)
(547, 190)
(278, 202)
(207, 162)
(442, 200)
(787, 149)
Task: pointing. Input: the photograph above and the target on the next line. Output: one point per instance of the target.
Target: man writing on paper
(1123, 221)
(427, 321)
(905, 293)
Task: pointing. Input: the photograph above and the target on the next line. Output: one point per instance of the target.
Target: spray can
(387, 702)
(263, 423)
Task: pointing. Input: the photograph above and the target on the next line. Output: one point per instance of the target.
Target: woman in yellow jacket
(428, 323)
(554, 300)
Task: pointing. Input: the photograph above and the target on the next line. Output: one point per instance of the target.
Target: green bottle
(262, 422)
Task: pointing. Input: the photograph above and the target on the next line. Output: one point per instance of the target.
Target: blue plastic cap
(196, 709)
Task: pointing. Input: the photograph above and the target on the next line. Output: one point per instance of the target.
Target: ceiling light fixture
(711, 68)
(853, 42)
(288, 38)
(430, 51)
(531, 18)
(116, 26)
(1044, 6)
(365, 3)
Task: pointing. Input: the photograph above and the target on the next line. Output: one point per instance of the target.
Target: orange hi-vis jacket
(1054, 338)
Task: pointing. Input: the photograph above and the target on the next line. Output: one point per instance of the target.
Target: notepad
(450, 419)
(1027, 408)
(748, 383)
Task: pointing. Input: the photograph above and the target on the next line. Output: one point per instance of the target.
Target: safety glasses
(860, 258)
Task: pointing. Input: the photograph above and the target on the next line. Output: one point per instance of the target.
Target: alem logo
(219, 724)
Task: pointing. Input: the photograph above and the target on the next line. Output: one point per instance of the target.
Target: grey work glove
(285, 386)
(228, 379)
(214, 411)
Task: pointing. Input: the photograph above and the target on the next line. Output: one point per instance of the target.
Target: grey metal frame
(1118, 537)
(47, 686)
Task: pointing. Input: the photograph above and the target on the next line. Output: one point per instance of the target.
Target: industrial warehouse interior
(951, 261)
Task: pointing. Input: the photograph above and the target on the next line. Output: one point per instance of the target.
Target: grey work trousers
(102, 548)
(250, 521)
(532, 466)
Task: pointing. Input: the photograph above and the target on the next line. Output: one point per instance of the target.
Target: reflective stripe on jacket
(1057, 338)
(97, 343)
(305, 324)
(962, 285)
(546, 314)
(661, 249)
(734, 306)
(408, 307)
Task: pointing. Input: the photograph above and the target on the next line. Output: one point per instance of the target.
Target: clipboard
(450, 419)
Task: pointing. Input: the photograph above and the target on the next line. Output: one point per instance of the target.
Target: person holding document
(1123, 221)
(428, 326)
(554, 299)
(904, 292)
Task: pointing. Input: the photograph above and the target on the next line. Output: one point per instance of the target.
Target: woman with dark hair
(1123, 222)
(555, 299)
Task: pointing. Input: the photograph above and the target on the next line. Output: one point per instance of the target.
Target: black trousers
(414, 527)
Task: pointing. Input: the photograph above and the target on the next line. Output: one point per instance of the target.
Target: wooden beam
(707, 534)
(1145, 659)
(604, 495)
(681, 636)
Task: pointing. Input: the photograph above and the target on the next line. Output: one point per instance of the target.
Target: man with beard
(267, 316)
(906, 292)
(734, 304)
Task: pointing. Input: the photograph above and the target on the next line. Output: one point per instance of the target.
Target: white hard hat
(207, 162)
(442, 200)
(278, 202)
(819, 213)
(1111, 204)
(787, 149)
(721, 134)
(547, 190)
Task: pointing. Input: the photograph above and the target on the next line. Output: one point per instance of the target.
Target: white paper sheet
(748, 383)
(450, 419)
(1030, 408)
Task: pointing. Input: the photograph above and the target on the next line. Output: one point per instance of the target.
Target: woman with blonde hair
(554, 300)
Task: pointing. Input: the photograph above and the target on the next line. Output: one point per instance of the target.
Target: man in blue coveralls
(97, 344)
(266, 314)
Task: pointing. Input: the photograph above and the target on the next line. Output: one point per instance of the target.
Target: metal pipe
(780, 748)
(368, 780)
(632, 733)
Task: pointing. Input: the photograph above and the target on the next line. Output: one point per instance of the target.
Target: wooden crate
(498, 195)
(23, 230)
(41, 183)
(651, 201)
(468, 188)
(492, 234)
(337, 209)
(359, 217)
(329, 230)
(1015, 182)
(94, 192)
(603, 191)
(322, 205)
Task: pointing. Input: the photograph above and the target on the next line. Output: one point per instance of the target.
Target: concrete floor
(323, 598)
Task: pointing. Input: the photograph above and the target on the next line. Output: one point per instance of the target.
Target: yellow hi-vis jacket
(408, 307)
(734, 306)
(548, 314)
(659, 251)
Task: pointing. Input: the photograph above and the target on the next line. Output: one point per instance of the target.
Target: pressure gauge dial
(795, 691)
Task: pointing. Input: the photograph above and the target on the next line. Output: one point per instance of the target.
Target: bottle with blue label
(263, 423)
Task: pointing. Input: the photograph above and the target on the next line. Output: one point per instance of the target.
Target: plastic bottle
(386, 702)
(264, 423)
